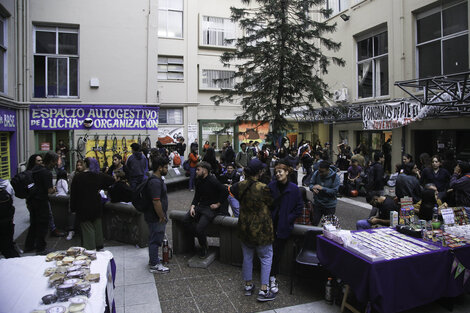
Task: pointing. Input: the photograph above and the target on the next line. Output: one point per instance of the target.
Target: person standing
(85, 201)
(209, 196)
(181, 148)
(375, 176)
(7, 227)
(387, 151)
(194, 145)
(324, 185)
(288, 205)
(137, 165)
(407, 184)
(241, 160)
(255, 228)
(117, 165)
(155, 213)
(38, 204)
(193, 160)
(436, 175)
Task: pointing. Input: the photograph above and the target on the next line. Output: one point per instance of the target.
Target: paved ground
(218, 288)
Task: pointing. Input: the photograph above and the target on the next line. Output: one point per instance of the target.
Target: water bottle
(329, 291)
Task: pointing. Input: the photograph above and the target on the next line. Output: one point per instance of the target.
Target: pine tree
(282, 59)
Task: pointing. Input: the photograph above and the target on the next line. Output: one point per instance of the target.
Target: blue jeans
(363, 224)
(235, 205)
(265, 254)
(156, 235)
(192, 177)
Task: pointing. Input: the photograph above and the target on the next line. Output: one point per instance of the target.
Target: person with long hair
(408, 184)
(209, 157)
(437, 175)
(460, 184)
(38, 204)
(288, 205)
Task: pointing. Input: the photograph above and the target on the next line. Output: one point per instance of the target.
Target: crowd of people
(259, 185)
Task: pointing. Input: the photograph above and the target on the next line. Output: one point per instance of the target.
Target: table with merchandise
(76, 280)
(395, 272)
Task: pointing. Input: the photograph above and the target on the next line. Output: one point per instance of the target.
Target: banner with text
(44, 117)
(7, 119)
(392, 115)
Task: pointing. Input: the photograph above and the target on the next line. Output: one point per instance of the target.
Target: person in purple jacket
(288, 205)
(460, 184)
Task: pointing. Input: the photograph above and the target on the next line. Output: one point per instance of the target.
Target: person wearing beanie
(255, 228)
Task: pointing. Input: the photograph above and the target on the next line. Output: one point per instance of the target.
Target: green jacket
(255, 225)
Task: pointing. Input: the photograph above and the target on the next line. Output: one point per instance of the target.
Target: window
(170, 116)
(337, 6)
(3, 55)
(215, 30)
(215, 79)
(170, 68)
(55, 62)
(442, 41)
(372, 66)
(170, 18)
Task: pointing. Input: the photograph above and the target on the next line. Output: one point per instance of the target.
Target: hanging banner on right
(392, 115)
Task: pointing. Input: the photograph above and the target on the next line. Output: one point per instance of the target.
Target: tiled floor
(135, 285)
(216, 289)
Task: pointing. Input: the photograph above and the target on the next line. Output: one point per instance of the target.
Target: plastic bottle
(329, 291)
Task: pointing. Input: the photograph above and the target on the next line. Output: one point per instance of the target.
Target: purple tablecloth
(390, 286)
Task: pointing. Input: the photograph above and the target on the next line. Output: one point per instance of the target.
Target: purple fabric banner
(43, 117)
(7, 120)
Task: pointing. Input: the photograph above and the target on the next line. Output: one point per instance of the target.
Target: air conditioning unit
(340, 95)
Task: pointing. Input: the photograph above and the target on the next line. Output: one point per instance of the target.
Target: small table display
(75, 280)
(386, 244)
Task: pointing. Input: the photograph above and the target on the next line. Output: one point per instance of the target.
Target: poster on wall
(169, 135)
(192, 133)
(248, 131)
(46, 117)
(393, 115)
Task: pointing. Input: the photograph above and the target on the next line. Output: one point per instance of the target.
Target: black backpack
(139, 197)
(23, 184)
(6, 206)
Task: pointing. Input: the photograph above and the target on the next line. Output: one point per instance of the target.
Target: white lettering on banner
(55, 117)
(393, 115)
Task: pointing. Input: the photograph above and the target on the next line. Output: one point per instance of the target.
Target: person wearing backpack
(35, 159)
(7, 227)
(155, 211)
(38, 204)
(85, 201)
(175, 159)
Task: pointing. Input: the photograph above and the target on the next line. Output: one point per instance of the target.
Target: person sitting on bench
(209, 196)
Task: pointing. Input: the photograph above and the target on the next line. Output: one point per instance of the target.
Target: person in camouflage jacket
(255, 227)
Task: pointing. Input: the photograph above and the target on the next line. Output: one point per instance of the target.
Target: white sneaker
(273, 285)
(159, 268)
(70, 235)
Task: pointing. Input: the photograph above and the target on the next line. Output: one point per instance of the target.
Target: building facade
(384, 42)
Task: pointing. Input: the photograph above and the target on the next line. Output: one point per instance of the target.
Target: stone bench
(176, 175)
(225, 228)
(121, 221)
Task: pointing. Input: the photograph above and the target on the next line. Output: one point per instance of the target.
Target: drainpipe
(148, 55)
